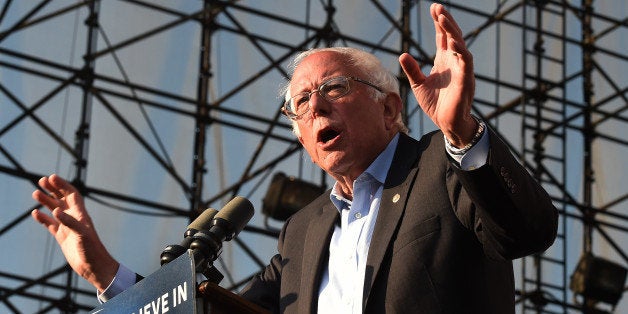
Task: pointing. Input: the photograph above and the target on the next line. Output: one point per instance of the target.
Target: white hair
(367, 64)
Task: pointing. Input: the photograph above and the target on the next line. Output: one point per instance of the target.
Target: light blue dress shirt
(343, 280)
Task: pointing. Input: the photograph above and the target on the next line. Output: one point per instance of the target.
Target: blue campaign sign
(171, 289)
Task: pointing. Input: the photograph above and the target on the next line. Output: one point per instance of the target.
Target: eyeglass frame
(292, 116)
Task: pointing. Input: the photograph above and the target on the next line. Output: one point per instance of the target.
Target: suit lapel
(315, 255)
(398, 183)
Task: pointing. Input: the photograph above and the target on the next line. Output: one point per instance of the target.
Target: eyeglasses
(330, 90)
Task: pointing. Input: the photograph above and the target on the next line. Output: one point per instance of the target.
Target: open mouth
(327, 135)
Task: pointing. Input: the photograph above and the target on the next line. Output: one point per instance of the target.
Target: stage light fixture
(286, 195)
(598, 280)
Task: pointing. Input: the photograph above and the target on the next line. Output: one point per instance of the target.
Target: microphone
(229, 221)
(202, 222)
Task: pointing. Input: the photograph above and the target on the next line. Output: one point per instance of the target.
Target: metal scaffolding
(562, 107)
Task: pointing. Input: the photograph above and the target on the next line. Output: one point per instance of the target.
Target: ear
(392, 108)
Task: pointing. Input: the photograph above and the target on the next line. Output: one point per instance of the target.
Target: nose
(319, 105)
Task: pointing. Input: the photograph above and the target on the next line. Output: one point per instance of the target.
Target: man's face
(344, 136)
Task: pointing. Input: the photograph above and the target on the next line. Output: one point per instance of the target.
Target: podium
(218, 300)
(173, 289)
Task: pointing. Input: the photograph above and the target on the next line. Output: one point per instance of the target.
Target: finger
(448, 33)
(440, 34)
(48, 222)
(68, 220)
(412, 69)
(455, 41)
(446, 21)
(463, 56)
(45, 199)
(56, 186)
(61, 185)
(53, 192)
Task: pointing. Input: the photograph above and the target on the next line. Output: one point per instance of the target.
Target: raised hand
(74, 231)
(446, 95)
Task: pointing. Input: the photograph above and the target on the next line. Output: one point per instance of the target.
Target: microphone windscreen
(238, 212)
(203, 221)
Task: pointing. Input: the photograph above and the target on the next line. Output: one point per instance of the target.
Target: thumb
(412, 69)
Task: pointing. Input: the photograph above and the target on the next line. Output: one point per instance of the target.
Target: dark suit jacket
(442, 243)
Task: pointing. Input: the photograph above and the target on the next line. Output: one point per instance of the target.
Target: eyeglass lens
(330, 90)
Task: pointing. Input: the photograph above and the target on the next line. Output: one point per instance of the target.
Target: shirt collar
(378, 170)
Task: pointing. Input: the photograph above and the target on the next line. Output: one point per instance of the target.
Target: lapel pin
(396, 198)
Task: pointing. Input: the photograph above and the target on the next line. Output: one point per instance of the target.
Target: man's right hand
(73, 229)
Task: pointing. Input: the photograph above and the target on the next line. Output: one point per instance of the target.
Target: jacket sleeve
(264, 288)
(510, 213)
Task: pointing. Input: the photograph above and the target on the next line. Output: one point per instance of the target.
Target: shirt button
(358, 215)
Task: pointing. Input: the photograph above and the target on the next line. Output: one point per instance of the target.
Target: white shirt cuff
(124, 279)
(476, 156)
